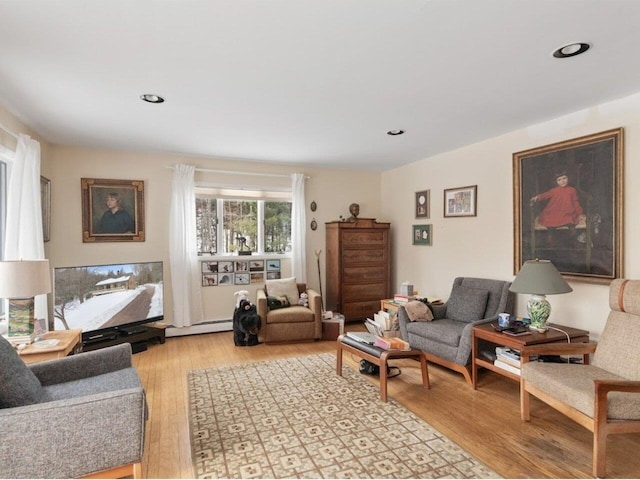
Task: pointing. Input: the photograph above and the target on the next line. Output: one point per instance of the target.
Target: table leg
(425, 371)
(474, 365)
(339, 358)
(383, 376)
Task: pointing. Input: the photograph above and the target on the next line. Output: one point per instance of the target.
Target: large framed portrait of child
(112, 210)
(568, 206)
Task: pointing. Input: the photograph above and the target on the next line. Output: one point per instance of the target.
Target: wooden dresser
(357, 267)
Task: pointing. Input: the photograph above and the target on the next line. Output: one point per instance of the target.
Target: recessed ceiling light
(571, 50)
(151, 98)
(395, 132)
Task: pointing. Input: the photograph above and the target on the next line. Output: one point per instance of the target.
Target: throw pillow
(277, 302)
(18, 384)
(467, 304)
(283, 286)
(418, 311)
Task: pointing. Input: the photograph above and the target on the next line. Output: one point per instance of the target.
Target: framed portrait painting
(422, 204)
(112, 210)
(461, 201)
(568, 206)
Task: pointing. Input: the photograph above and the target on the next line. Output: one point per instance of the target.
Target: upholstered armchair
(447, 338)
(289, 321)
(603, 396)
(76, 416)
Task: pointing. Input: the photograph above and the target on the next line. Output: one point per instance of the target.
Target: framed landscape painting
(568, 206)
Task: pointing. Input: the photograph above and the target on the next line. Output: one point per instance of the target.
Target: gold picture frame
(568, 206)
(112, 210)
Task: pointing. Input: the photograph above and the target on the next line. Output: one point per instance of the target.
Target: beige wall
(478, 246)
(332, 190)
(483, 245)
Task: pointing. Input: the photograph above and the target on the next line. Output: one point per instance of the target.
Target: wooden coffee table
(487, 332)
(68, 341)
(379, 356)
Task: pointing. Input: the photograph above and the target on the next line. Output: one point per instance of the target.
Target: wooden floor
(484, 422)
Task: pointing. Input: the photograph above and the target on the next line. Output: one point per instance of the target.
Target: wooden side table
(68, 341)
(488, 333)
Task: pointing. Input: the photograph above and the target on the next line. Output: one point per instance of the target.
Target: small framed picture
(422, 235)
(209, 267)
(273, 265)
(257, 277)
(273, 275)
(209, 280)
(242, 278)
(242, 266)
(422, 204)
(256, 265)
(460, 202)
(225, 267)
(225, 279)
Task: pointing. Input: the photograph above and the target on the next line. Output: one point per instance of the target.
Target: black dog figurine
(246, 323)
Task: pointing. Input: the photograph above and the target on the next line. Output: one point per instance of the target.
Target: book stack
(384, 324)
(391, 343)
(401, 298)
(508, 359)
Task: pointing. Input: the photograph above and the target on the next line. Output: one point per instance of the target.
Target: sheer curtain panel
(24, 239)
(185, 275)
(298, 227)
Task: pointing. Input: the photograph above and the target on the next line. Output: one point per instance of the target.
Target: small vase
(539, 310)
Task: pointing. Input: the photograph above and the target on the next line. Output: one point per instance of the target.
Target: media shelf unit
(138, 336)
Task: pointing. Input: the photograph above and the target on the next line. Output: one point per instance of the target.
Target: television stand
(137, 336)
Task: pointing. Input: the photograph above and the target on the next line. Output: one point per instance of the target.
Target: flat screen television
(103, 299)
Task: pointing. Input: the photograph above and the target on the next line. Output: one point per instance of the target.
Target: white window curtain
(24, 239)
(185, 275)
(298, 227)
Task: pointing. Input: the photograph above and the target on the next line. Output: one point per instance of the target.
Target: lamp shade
(24, 278)
(539, 277)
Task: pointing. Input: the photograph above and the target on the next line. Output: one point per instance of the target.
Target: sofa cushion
(107, 382)
(444, 331)
(466, 304)
(18, 385)
(293, 314)
(283, 286)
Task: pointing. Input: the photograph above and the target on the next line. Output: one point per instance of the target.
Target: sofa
(447, 338)
(72, 417)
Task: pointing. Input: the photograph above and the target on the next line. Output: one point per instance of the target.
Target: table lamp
(20, 281)
(539, 278)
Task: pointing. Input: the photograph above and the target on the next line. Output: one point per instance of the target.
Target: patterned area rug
(296, 418)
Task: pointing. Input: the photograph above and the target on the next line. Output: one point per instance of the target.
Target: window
(229, 221)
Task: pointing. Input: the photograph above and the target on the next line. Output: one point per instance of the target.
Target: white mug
(503, 319)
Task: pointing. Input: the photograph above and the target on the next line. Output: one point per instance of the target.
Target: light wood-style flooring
(485, 422)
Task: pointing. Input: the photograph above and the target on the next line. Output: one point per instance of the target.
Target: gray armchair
(72, 417)
(446, 340)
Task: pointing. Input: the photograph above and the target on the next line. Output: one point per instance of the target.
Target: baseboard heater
(204, 327)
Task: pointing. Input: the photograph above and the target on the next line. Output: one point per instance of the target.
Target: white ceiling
(315, 82)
